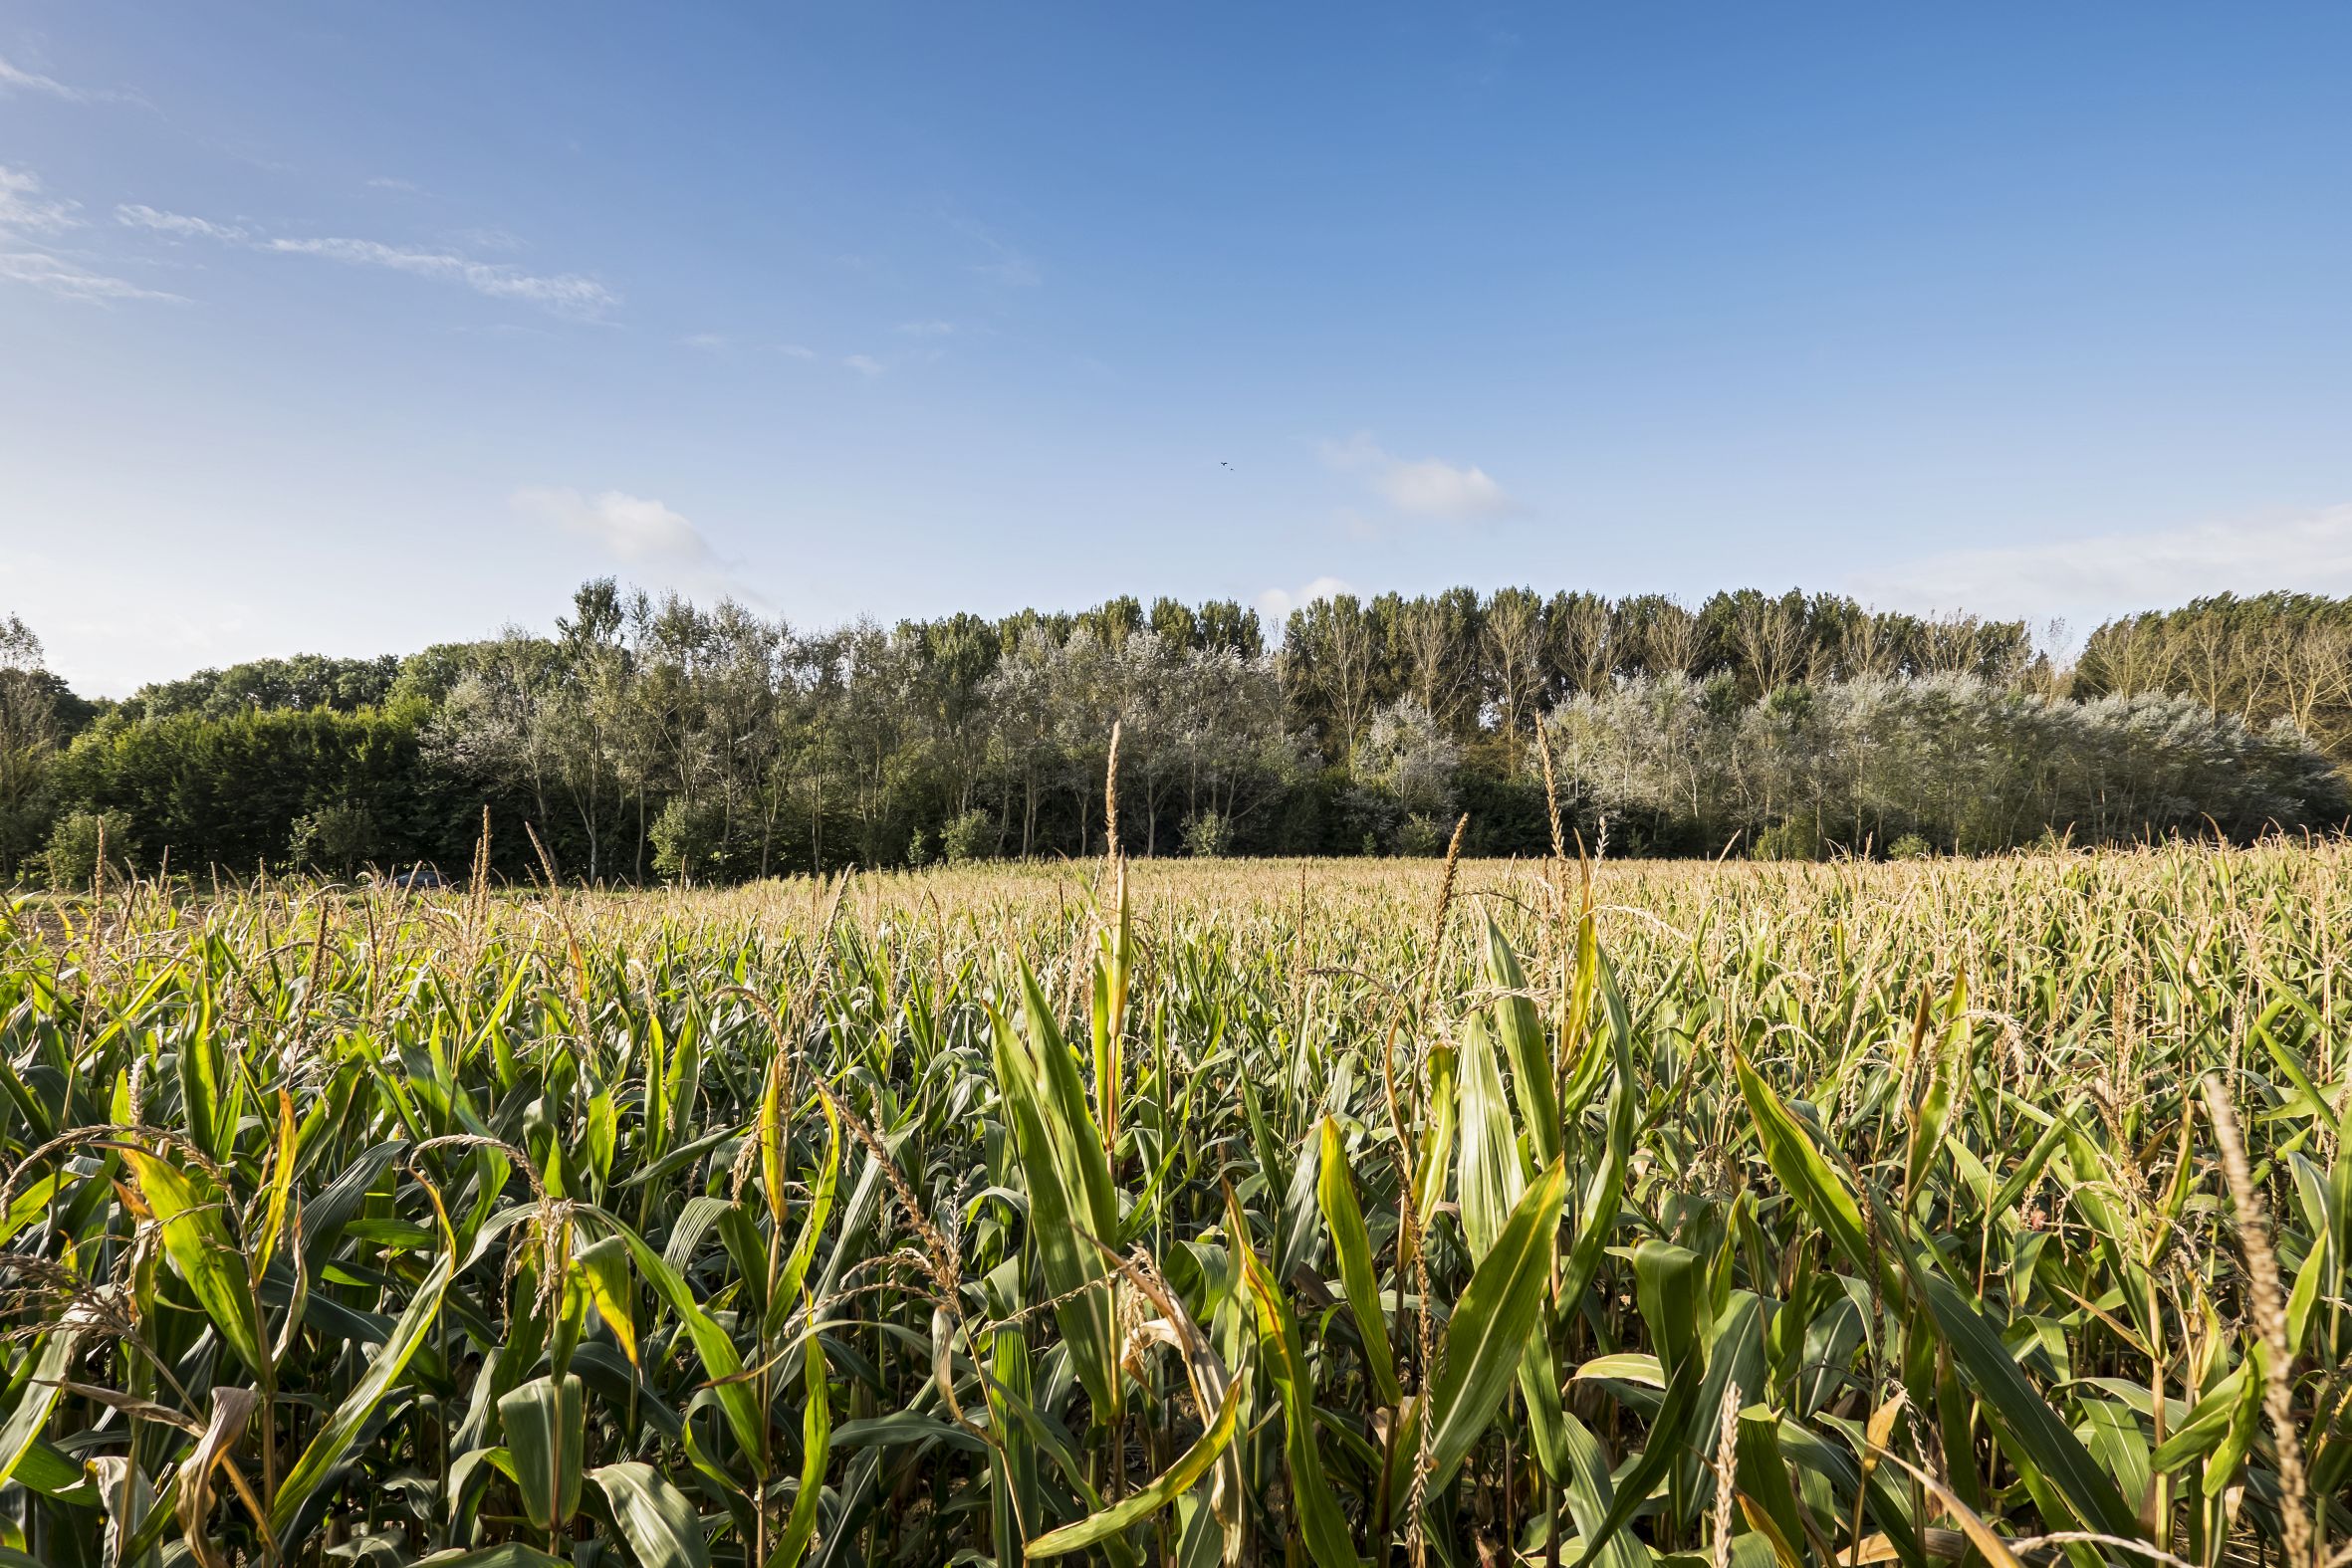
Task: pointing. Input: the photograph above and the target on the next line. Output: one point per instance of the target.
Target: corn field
(1731, 1217)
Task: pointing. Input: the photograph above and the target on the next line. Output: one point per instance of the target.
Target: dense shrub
(1208, 836)
(336, 839)
(79, 840)
(966, 836)
(1794, 839)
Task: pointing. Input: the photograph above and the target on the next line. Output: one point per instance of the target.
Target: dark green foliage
(307, 680)
(77, 843)
(1794, 839)
(228, 791)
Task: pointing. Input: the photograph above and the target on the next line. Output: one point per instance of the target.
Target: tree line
(648, 738)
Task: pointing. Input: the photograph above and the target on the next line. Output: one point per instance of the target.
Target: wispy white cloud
(16, 78)
(708, 343)
(1001, 262)
(1426, 487)
(864, 364)
(490, 237)
(56, 275)
(796, 351)
(25, 210)
(405, 187)
(1276, 605)
(927, 329)
(23, 78)
(566, 294)
(2106, 574)
(28, 219)
(139, 215)
(1012, 270)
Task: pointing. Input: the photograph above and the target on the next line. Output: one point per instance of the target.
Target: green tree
(338, 839)
(32, 723)
(79, 840)
(689, 838)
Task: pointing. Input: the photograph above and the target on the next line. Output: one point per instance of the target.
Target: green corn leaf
(1070, 1189)
(1016, 1496)
(1802, 1170)
(1492, 1180)
(1491, 1176)
(1602, 1506)
(51, 1365)
(1345, 1218)
(772, 1136)
(2112, 1434)
(2030, 1432)
(719, 1362)
(813, 1216)
(202, 1250)
(2227, 1468)
(605, 1272)
(655, 1518)
(1597, 1210)
(1521, 1028)
(1933, 1110)
(332, 1447)
(1435, 1158)
(2289, 1061)
(1109, 1013)
(1667, 1286)
(816, 1440)
(2310, 1280)
(203, 1084)
(1177, 1479)
(546, 1425)
(1319, 1520)
(514, 1554)
(1761, 1477)
(2029, 1169)
(281, 1189)
(1487, 1333)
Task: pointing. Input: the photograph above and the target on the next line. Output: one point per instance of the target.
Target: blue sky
(348, 329)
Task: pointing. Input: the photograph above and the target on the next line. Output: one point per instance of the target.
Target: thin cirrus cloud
(565, 293)
(16, 79)
(23, 78)
(998, 260)
(1426, 487)
(26, 209)
(55, 275)
(30, 220)
(2112, 574)
(137, 215)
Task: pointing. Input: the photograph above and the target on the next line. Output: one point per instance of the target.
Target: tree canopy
(647, 736)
